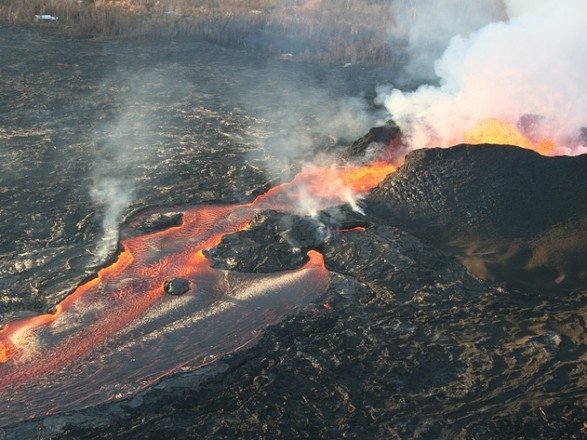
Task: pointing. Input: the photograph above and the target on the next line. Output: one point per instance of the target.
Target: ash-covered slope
(508, 213)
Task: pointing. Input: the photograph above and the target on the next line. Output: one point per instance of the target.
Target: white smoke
(325, 190)
(426, 27)
(123, 146)
(308, 120)
(113, 176)
(532, 64)
(304, 121)
(114, 194)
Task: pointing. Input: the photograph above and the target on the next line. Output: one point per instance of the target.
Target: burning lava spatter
(120, 332)
(494, 131)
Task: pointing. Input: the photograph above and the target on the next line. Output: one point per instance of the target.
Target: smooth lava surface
(119, 332)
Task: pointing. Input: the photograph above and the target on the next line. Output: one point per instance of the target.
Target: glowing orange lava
(330, 185)
(120, 328)
(494, 131)
(324, 186)
(354, 229)
(366, 177)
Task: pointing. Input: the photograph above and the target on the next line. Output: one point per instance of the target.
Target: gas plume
(426, 27)
(524, 76)
(123, 149)
(113, 184)
(305, 122)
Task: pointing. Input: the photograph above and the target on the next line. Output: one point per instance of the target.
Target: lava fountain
(120, 332)
(494, 131)
(518, 80)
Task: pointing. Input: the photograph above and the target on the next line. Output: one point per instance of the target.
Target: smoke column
(426, 27)
(113, 177)
(114, 194)
(528, 71)
(123, 148)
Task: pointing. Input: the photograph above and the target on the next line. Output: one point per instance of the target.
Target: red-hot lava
(494, 131)
(119, 332)
(354, 229)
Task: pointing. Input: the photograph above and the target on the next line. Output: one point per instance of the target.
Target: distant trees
(329, 31)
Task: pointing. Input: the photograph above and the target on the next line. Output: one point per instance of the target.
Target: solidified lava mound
(507, 213)
(385, 139)
(406, 343)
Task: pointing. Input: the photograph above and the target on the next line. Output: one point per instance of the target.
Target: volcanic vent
(404, 332)
(507, 213)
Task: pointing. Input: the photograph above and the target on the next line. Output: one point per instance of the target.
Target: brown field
(327, 31)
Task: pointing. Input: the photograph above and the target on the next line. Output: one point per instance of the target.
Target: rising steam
(304, 121)
(122, 150)
(114, 194)
(426, 28)
(528, 71)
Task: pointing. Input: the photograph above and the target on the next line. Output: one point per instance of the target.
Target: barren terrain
(406, 342)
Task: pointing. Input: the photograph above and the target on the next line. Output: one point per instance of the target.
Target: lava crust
(507, 213)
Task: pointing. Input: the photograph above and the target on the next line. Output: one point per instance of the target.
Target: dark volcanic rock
(273, 242)
(158, 221)
(379, 254)
(415, 347)
(176, 286)
(276, 241)
(483, 191)
(385, 140)
(508, 213)
(386, 258)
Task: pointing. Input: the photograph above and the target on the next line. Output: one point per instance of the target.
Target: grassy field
(328, 31)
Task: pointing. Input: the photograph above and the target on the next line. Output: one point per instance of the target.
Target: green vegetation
(329, 31)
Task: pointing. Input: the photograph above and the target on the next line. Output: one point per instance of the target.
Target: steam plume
(531, 67)
(114, 194)
(122, 150)
(426, 27)
(303, 121)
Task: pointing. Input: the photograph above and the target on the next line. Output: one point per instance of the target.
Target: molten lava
(119, 332)
(494, 131)
(354, 229)
(317, 187)
(362, 179)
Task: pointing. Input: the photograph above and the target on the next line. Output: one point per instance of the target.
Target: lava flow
(120, 332)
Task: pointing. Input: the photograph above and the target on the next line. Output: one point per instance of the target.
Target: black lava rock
(158, 221)
(176, 286)
(274, 242)
(482, 190)
(507, 213)
(387, 137)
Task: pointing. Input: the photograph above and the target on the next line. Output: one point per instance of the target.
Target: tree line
(326, 31)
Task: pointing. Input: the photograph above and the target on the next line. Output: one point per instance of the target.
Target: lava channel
(119, 332)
